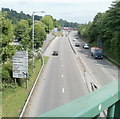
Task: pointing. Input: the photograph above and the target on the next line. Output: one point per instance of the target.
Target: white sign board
(20, 64)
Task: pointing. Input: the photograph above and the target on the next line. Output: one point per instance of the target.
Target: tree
(105, 28)
(39, 35)
(48, 22)
(7, 37)
(22, 33)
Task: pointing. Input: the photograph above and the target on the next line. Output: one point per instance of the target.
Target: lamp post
(33, 34)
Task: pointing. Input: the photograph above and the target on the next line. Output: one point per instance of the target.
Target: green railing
(91, 105)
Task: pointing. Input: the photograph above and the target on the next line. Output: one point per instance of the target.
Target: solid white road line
(80, 71)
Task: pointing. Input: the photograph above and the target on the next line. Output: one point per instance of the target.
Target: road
(101, 70)
(60, 82)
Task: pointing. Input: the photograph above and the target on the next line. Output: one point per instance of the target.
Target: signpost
(20, 65)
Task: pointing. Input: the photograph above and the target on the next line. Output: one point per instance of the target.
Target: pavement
(60, 82)
(68, 75)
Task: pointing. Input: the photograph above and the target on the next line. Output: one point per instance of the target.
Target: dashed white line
(61, 65)
(63, 90)
(62, 75)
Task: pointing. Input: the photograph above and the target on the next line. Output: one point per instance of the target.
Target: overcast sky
(81, 11)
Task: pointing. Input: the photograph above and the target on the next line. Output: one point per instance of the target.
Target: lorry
(96, 52)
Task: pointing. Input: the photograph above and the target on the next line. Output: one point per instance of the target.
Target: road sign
(20, 64)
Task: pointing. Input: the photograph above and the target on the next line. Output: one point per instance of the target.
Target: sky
(81, 11)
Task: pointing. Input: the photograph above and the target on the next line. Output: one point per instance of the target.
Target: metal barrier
(92, 104)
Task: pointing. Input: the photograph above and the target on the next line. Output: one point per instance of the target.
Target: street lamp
(33, 34)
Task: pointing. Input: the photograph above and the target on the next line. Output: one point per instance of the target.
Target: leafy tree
(40, 34)
(22, 34)
(105, 29)
(65, 23)
(48, 22)
(7, 37)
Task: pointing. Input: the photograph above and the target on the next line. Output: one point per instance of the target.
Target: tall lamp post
(33, 34)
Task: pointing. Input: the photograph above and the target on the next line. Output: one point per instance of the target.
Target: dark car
(77, 44)
(55, 53)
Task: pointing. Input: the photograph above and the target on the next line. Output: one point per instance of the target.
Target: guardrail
(111, 60)
(92, 104)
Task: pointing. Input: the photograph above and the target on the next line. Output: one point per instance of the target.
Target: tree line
(65, 23)
(21, 31)
(15, 17)
(104, 31)
(18, 27)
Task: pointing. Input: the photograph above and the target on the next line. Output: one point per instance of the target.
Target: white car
(86, 46)
(74, 39)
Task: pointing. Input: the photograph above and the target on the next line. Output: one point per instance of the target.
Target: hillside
(16, 17)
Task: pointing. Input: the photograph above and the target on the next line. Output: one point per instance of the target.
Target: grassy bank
(14, 98)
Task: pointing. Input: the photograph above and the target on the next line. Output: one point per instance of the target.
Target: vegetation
(16, 95)
(7, 37)
(104, 31)
(16, 29)
(16, 17)
(65, 23)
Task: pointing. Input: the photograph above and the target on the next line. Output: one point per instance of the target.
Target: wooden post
(26, 81)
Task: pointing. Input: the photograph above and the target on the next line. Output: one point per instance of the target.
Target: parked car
(55, 53)
(86, 46)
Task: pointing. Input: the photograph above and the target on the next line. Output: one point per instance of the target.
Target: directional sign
(20, 64)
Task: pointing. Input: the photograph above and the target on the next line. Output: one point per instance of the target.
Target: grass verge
(13, 99)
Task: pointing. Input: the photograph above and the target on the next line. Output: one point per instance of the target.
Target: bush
(7, 72)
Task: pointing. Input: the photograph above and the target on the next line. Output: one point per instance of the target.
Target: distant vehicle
(55, 53)
(86, 46)
(96, 52)
(77, 44)
(74, 39)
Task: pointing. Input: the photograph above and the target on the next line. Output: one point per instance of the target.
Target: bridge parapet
(92, 104)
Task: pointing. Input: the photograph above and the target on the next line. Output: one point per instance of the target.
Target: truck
(97, 52)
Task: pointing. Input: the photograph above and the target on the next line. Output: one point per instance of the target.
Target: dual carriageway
(68, 76)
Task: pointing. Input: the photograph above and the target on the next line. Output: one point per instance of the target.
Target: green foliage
(105, 30)
(8, 52)
(48, 22)
(16, 17)
(7, 72)
(7, 37)
(40, 34)
(65, 23)
(22, 34)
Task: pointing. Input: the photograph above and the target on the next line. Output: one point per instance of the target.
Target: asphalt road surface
(60, 82)
(101, 70)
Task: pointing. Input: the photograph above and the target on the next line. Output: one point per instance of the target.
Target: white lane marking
(61, 65)
(61, 58)
(63, 90)
(62, 75)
